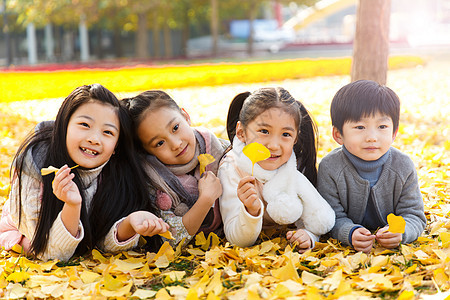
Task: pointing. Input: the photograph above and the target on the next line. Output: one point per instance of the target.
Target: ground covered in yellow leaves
(213, 269)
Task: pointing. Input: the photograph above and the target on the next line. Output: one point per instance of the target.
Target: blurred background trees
(84, 30)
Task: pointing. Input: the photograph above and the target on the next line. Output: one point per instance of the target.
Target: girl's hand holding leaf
(51, 169)
(204, 160)
(248, 195)
(147, 224)
(64, 188)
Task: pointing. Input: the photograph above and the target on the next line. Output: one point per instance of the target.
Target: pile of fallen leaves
(212, 269)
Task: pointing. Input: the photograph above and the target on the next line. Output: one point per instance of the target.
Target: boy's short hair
(364, 98)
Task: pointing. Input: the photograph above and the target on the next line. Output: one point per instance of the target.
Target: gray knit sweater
(397, 191)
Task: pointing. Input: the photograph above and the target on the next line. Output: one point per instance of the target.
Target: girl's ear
(240, 133)
(186, 116)
(337, 136)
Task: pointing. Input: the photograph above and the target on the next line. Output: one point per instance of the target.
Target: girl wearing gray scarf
(186, 198)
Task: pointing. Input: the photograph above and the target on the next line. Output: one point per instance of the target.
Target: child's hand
(362, 240)
(246, 192)
(64, 188)
(388, 239)
(209, 188)
(300, 238)
(147, 224)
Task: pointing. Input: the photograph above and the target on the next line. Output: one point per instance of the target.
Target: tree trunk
(31, 44)
(118, 50)
(185, 32)
(141, 36)
(167, 41)
(371, 44)
(49, 43)
(6, 32)
(99, 48)
(84, 39)
(214, 27)
(156, 35)
(251, 34)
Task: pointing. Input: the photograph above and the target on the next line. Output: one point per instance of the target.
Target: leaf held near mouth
(51, 169)
(256, 152)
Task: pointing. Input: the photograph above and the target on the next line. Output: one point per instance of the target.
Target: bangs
(364, 98)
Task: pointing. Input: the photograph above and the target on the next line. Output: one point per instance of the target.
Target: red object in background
(278, 15)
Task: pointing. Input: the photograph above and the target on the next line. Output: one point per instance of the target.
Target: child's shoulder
(335, 157)
(400, 160)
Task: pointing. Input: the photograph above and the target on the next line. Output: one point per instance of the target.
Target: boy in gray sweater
(366, 179)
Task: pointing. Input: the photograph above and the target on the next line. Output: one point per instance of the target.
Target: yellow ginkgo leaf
(396, 223)
(51, 169)
(18, 277)
(256, 152)
(167, 234)
(445, 238)
(17, 248)
(204, 160)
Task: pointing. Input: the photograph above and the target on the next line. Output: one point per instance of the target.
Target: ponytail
(306, 147)
(233, 114)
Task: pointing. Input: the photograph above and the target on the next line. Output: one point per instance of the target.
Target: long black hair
(245, 107)
(123, 186)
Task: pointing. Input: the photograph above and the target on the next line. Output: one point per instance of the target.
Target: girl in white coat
(280, 194)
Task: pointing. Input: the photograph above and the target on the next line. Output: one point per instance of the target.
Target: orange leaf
(204, 160)
(256, 152)
(396, 223)
(168, 235)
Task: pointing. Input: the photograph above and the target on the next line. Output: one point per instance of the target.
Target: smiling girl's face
(92, 134)
(275, 129)
(167, 134)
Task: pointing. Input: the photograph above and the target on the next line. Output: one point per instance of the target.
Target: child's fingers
(385, 234)
(246, 180)
(364, 231)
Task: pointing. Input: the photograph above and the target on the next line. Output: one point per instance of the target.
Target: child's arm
(209, 189)
(125, 233)
(410, 206)
(61, 243)
(241, 228)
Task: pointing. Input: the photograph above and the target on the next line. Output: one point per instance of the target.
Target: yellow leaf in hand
(51, 169)
(396, 223)
(46, 171)
(256, 152)
(204, 160)
(168, 235)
